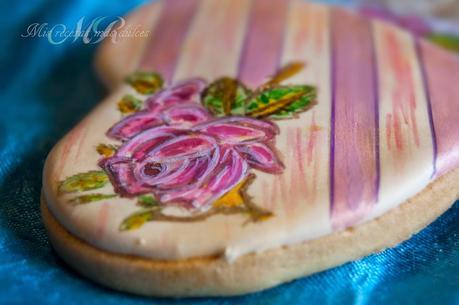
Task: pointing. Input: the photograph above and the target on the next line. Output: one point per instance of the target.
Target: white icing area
(404, 172)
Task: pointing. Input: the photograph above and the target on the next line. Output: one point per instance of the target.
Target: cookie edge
(215, 276)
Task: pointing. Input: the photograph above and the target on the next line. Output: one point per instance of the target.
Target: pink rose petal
(120, 173)
(133, 124)
(187, 92)
(196, 172)
(144, 142)
(184, 92)
(231, 170)
(261, 157)
(153, 173)
(185, 146)
(237, 130)
(186, 115)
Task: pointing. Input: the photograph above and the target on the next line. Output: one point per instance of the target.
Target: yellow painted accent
(128, 104)
(286, 72)
(233, 198)
(105, 150)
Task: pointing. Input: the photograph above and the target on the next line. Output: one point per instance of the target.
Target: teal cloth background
(45, 89)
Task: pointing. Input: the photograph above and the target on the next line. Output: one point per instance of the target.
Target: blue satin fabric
(45, 89)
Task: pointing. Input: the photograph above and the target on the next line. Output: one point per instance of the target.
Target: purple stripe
(376, 111)
(332, 115)
(442, 80)
(354, 158)
(263, 42)
(420, 59)
(163, 50)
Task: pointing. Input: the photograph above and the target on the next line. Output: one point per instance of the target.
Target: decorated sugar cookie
(249, 143)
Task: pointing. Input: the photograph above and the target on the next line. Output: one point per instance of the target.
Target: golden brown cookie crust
(215, 276)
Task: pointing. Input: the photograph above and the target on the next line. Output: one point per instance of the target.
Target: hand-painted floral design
(195, 145)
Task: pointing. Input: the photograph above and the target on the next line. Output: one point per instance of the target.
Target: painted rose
(176, 106)
(178, 151)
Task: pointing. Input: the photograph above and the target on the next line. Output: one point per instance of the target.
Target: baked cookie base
(214, 276)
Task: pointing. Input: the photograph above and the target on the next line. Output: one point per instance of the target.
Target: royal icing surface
(324, 120)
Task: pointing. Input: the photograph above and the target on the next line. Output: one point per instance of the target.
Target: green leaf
(137, 219)
(145, 82)
(147, 201)
(281, 102)
(225, 96)
(446, 41)
(90, 198)
(129, 104)
(83, 182)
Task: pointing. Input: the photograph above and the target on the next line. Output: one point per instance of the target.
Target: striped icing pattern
(373, 96)
(223, 24)
(307, 140)
(441, 75)
(263, 43)
(384, 126)
(354, 156)
(165, 46)
(405, 138)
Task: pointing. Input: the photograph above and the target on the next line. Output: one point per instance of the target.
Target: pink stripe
(263, 42)
(354, 154)
(164, 48)
(403, 95)
(441, 70)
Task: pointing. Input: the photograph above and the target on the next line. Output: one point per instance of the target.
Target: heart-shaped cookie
(248, 143)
